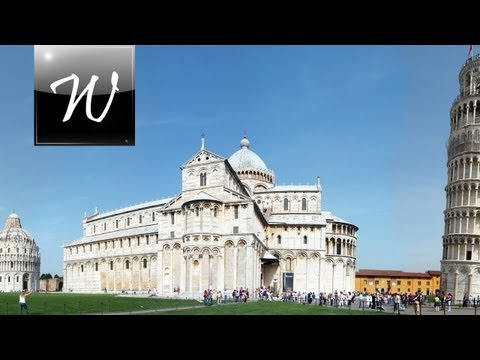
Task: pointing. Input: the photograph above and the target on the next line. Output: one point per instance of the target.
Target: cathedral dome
(246, 159)
(249, 166)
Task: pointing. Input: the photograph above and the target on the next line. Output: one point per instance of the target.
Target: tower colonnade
(461, 240)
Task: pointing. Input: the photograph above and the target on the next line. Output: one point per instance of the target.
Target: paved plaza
(430, 310)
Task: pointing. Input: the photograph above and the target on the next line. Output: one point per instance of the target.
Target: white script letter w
(90, 87)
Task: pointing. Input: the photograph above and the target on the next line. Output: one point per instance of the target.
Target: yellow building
(395, 281)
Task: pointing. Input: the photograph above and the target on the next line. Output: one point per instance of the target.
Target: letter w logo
(89, 88)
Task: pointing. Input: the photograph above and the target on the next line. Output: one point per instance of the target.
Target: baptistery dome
(19, 257)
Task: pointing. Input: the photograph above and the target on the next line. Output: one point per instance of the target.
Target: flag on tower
(470, 50)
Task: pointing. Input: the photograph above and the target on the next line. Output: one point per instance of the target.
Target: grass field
(269, 308)
(74, 304)
(81, 304)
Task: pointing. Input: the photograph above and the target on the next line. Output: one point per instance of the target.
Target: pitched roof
(139, 230)
(129, 209)
(203, 196)
(329, 216)
(204, 152)
(288, 188)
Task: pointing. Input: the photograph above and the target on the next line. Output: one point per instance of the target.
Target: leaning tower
(460, 265)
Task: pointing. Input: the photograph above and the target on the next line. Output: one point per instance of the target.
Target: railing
(469, 146)
(470, 59)
(466, 94)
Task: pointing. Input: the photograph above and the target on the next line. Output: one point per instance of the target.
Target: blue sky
(371, 121)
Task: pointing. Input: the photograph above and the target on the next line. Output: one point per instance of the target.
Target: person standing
(396, 303)
(417, 302)
(448, 301)
(437, 303)
(23, 301)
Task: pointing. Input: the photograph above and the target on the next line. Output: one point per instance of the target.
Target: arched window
(153, 216)
(144, 263)
(305, 239)
(339, 249)
(285, 204)
(127, 264)
(140, 218)
(215, 212)
(304, 204)
(288, 264)
(81, 268)
(203, 179)
(111, 265)
(96, 266)
(279, 239)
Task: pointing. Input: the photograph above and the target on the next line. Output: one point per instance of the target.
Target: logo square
(84, 94)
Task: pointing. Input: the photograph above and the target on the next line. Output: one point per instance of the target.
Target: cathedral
(460, 264)
(19, 258)
(230, 227)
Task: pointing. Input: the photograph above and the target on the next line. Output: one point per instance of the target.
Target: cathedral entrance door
(287, 281)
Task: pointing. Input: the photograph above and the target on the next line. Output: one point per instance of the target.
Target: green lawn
(74, 304)
(270, 308)
(77, 304)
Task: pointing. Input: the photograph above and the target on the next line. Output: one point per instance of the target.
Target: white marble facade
(230, 227)
(19, 258)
